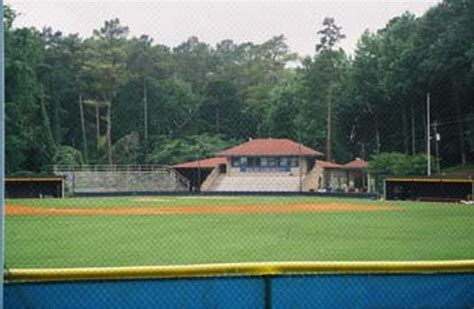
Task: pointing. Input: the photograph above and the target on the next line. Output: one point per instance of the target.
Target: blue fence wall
(301, 291)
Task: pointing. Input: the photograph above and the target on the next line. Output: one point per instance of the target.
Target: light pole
(437, 139)
(428, 134)
(2, 152)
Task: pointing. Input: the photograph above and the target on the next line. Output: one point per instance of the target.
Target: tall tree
(25, 136)
(139, 98)
(142, 66)
(107, 66)
(368, 96)
(330, 35)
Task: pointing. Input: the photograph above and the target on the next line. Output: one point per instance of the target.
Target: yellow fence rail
(235, 269)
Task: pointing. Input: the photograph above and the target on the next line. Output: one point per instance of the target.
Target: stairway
(285, 183)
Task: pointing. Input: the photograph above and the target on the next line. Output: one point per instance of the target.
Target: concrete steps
(259, 183)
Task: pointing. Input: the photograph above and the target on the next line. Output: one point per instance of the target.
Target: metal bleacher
(107, 179)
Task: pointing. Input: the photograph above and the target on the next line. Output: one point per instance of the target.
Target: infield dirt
(19, 210)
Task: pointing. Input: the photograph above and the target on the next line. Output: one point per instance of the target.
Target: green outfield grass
(415, 231)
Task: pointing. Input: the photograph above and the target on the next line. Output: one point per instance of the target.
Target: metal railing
(110, 168)
(124, 168)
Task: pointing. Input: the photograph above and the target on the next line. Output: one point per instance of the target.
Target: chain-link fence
(244, 173)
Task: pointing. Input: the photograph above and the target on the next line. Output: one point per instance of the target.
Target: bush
(67, 155)
(395, 163)
(190, 148)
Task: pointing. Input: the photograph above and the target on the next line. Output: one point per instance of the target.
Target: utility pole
(145, 113)
(2, 153)
(428, 134)
(83, 130)
(437, 139)
(413, 136)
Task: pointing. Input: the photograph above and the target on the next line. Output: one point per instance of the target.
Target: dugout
(34, 187)
(428, 188)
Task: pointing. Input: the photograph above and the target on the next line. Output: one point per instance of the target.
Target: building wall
(314, 179)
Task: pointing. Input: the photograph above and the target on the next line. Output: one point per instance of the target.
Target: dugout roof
(206, 163)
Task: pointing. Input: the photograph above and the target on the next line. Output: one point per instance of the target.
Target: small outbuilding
(350, 177)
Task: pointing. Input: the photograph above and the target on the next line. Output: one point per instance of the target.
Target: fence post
(267, 292)
(2, 152)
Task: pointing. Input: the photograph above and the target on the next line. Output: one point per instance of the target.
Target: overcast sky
(171, 23)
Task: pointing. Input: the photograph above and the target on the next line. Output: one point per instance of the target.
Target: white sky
(171, 23)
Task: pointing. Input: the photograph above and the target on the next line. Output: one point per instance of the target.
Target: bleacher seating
(116, 179)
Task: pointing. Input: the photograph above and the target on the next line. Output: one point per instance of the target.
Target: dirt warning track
(19, 210)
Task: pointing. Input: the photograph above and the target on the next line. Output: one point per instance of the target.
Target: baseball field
(164, 230)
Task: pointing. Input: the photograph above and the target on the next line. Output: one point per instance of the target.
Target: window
(272, 161)
(295, 161)
(235, 162)
(243, 161)
(283, 161)
(263, 162)
(254, 161)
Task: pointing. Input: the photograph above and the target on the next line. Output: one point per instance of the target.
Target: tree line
(115, 99)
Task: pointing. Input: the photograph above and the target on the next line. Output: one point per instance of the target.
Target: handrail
(236, 269)
(110, 168)
(207, 184)
(181, 179)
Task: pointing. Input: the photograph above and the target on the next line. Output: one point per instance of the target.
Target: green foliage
(128, 150)
(398, 164)
(395, 68)
(23, 122)
(465, 170)
(330, 35)
(131, 100)
(285, 101)
(68, 156)
(323, 79)
(190, 148)
(9, 16)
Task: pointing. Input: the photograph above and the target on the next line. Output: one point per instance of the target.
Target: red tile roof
(270, 147)
(206, 163)
(327, 164)
(357, 163)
